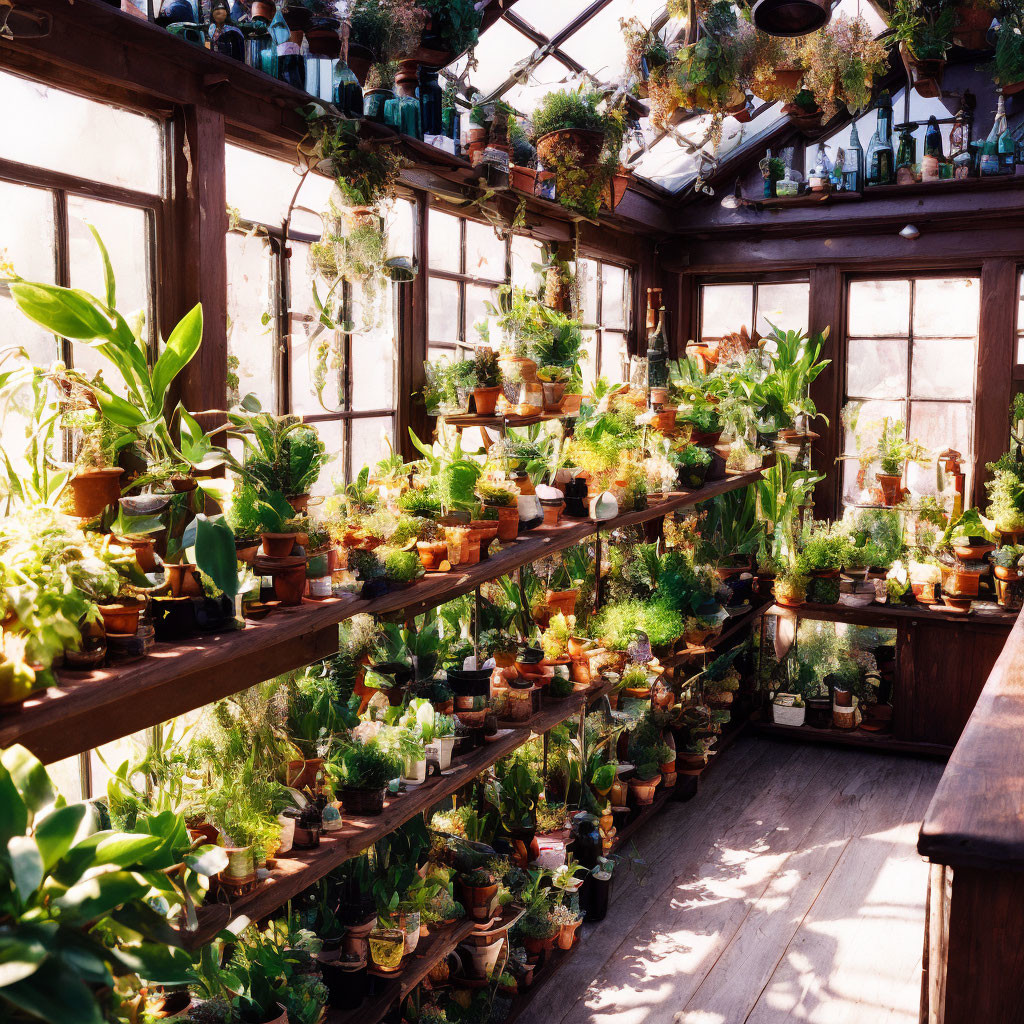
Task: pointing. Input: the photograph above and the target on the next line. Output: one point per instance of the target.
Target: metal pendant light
(792, 17)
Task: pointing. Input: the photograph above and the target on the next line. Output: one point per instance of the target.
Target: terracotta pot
(508, 522)
(972, 552)
(786, 597)
(323, 42)
(619, 185)
(1013, 88)
(432, 553)
(563, 601)
(925, 74)
(554, 391)
(92, 490)
(571, 404)
(664, 420)
(145, 551)
(485, 400)
(536, 946)
(302, 774)
(278, 545)
(642, 790)
(552, 512)
(972, 24)
(297, 17)
(892, 488)
(354, 939)
(567, 934)
(523, 179)
(587, 144)
(659, 396)
(264, 10)
(926, 593)
(183, 484)
(184, 579)
(525, 369)
(788, 78)
(290, 584)
(477, 900)
(122, 616)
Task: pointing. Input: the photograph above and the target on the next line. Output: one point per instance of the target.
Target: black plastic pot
(362, 801)
(213, 613)
(394, 670)
(595, 895)
(373, 588)
(819, 712)
(174, 618)
(585, 845)
(346, 980)
(469, 682)
(530, 655)
(576, 499)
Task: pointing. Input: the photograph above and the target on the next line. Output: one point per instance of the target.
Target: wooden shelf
(302, 868)
(848, 738)
(984, 613)
(88, 709)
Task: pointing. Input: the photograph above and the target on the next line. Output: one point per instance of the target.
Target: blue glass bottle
(260, 48)
(403, 114)
(431, 97)
(348, 93)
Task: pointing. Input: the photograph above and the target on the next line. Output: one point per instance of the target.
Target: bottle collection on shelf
(999, 153)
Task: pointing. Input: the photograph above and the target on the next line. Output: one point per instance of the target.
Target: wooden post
(194, 265)
(996, 359)
(827, 309)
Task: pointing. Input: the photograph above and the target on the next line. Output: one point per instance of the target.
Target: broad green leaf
(26, 865)
(215, 554)
(154, 963)
(57, 831)
(100, 894)
(53, 994)
(108, 270)
(21, 953)
(101, 848)
(181, 346)
(13, 812)
(207, 860)
(63, 311)
(119, 411)
(30, 777)
(251, 403)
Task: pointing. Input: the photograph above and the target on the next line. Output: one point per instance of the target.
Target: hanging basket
(585, 145)
(791, 17)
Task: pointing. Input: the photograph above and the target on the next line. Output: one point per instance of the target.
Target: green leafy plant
(485, 368)
(926, 32)
(1008, 65)
(366, 766)
(402, 566)
(840, 62)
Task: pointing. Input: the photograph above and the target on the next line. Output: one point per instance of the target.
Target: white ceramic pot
(441, 749)
(787, 715)
(287, 832)
(480, 961)
(415, 772)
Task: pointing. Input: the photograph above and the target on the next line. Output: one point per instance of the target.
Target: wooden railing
(973, 834)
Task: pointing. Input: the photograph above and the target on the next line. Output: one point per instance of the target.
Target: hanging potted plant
(840, 63)
(1008, 65)
(924, 36)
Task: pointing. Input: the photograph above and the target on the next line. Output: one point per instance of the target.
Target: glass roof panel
(550, 16)
(548, 76)
(499, 48)
(599, 45)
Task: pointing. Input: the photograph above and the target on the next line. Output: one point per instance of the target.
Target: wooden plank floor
(789, 890)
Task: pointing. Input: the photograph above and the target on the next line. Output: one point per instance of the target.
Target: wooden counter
(973, 834)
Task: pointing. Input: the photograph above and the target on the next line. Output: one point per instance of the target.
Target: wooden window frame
(756, 282)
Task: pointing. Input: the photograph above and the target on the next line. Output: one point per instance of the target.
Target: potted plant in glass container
(487, 384)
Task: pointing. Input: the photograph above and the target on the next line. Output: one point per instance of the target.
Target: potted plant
(1008, 64)
(500, 501)
(568, 126)
(692, 462)
(95, 483)
(1008, 569)
(840, 62)
(924, 35)
(402, 568)
(790, 587)
(973, 20)
(893, 451)
(636, 682)
(478, 889)
(364, 771)
(788, 709)
(553, 383)
(568, 918)
(645, 778)
(487, 385)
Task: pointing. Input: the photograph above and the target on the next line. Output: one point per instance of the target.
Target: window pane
(877, 368)
(725, 309)
(332, 434)
(525, 252)
(943, 368)
(439, 352)
(614, 301)
(370, 438)
(946, 308)
(879, 308)
(445, 242)
(124, 230)
(476, 310)
(323, 359)
(588, 360)
(67, 777)
(260, 188)
(862, 422)
(128, 748)
(442, 310)
(1020, 320)
(401, 228)
(613, 348)
(251, 327)
(485, 252)
(81, 137)
(586, 274)
(784, 305)
(938, 425)
(373, 365)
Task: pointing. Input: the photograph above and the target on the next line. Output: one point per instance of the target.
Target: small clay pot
(290, 584)
(92, 490)
(122, 616)
(432, 553)
(892, 488)
(508, 521)
(145, 551)
(486, 400)
(278, 545)
(184, 579)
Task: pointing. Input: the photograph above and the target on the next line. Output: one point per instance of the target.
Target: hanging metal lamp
(792, 17)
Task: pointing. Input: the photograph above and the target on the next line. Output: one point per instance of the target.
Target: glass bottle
(1007, 147)
(989, 163)
(403, 114)
(657, 341)
(853, 165)
(431, 97)
(906, 155)
(348, 93)
(260, 48)
(932, 161)
(880, 162)
(960, 144)
(278, 29)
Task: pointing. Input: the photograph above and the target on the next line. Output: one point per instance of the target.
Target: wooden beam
(827, 308)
